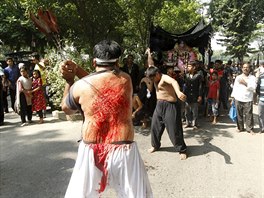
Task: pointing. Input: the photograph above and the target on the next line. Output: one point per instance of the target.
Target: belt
(115, 142)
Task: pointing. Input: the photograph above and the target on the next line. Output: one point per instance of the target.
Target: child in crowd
(38, 100)
(24, 85)
(193, 91)
(213, 97)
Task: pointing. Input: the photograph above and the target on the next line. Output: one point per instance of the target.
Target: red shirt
(213, 88)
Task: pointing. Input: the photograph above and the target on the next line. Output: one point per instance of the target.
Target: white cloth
(26, 83)
(123, 167)
(244, 93)
(23, 83)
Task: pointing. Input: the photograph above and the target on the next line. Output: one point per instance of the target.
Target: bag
(17, 107)
(233, 112)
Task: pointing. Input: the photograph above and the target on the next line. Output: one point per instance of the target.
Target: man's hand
(182, 96)
(242, 81)
(199, 100)
(68, 70)
(148, 51)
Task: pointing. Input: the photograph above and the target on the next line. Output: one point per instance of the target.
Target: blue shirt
(12, 74)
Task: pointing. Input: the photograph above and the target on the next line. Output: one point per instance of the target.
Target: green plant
(55, 81)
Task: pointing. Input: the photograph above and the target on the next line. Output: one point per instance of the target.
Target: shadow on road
(36, 161)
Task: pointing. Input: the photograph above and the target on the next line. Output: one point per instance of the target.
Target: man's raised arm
(150, 59)
(68, 71)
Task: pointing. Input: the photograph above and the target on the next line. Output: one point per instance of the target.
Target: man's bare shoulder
(167, 79)
(103, 79)
(124, 74)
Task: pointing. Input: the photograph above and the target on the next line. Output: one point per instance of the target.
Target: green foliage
(56, 82)
(139, 16)
(84, 23)
(178, 17)
(237, 20)
(259, 38)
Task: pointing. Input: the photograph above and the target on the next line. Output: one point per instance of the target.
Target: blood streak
(101, 152)
(110, 108)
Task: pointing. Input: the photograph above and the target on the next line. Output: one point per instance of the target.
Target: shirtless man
(107, 154)
(168, 110)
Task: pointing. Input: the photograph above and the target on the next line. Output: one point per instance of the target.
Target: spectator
(243, 90)
(38, 100)
(223, 75)
(132, 69)
(194, 92)
(43, 72)
(260, 92)
(6, 84)
(24, 96)
(12, 74)
(213, 97)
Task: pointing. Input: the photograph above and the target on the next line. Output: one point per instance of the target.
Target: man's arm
(176, 87)
(251, 84)
(68, 70)
(150, 59)
(80, 72)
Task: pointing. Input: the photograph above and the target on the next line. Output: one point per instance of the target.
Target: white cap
(20, 65)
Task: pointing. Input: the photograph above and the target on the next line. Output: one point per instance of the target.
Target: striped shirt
(261, 82)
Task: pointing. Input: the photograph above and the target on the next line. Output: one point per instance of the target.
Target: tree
(259, 38)
(178, 17)
(174, 16)
(14, 28)
(237, 20)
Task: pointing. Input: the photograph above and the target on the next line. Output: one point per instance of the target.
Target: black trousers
(223, 96)
(13, 97)
(26, 110)
(168, 115)
(244, 109)
(5, 103)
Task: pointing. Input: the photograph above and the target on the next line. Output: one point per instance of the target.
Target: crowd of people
(113, 99)
(208, 89)
(26, 87)
(157, 93)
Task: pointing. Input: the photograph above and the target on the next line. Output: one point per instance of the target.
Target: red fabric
(38, 99)
(101, 152)
(213, 87)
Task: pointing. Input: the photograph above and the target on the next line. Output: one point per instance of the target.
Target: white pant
(102, 165)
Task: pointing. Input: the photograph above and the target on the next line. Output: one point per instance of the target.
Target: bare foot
(152, 150)
(251, 132)
(195, 128)
(183, 156)
(144, 125)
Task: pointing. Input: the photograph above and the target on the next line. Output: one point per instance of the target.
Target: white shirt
(244, 93)
(26, 83)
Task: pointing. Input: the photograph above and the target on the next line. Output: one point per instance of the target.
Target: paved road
(36, 161)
